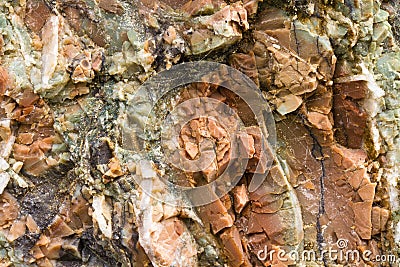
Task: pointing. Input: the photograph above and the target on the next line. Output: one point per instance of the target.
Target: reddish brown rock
(59, 228)
(240, 197)
(350, 118)
(280, 68)
(348, 158)
(356, 177)
(216, 215)
(198, 130)
(272, 18)
(17, 230)
(34, 132)
(79, 213)
(112, 6)
(233, 246)
(83, 21)
(257, 242)
(320, 121)
(31, 224)
(295, 36)
(9, 209)
(280, 55)
(52, 248)
(272, 225)
(25, 138)
(246, 146)
(167, 241)
(192, 149)
(354, 89)
(346, 212)
(268, 203)
(367, 192)
(247, 64)
(5, 81)
(216, 130)
(192, 136)
(259, 162)
(321, 101)
(288, 103)
(37, 13)
(362, 223)
(193, 7)
(379, 219)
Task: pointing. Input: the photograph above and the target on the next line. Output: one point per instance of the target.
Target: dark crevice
(297, 43)
(318, 155)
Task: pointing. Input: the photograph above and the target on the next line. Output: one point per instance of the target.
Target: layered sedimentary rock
(74, 192)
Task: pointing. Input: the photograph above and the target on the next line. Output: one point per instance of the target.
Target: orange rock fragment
(362, 221)
(43, 240)
(247, 148)
(192, 149)
(31, 224)
(167, 243)
(115, 168)
(17, 230)
(268, 203)
(44, 262)
(273, 225)
(216, 215)
(348, 158)
(240, 197)
(379, 219)
(35, 133)
(59, 228)
(28, 98)
(25, 138)
(80, 212)
(4, 80)
(36, 252)
(367, 192)
(191, 137)
(356, 177)
(9, 209)
(320, 121)
(210, 173)
(169, 35)
(215, 130)
(52, 249)
(233, 246)
(257, 164)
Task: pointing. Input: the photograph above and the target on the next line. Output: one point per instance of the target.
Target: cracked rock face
(75, 191)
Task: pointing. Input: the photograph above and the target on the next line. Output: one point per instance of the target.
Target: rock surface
(73, 192)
